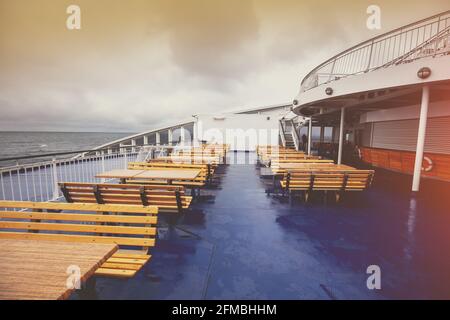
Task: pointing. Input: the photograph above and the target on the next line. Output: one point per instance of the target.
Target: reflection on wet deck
(240, 243)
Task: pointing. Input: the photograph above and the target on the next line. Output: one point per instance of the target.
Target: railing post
(341, 135)
(125, 158)
(283, 140)
(332, 70)
(370, 57)
(309, 136)
(103, 180)
(55, 180)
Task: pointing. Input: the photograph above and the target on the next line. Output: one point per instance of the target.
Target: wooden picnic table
(39, 270)
(119, 174)
(162, 174)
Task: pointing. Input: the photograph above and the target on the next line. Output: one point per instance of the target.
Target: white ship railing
(38, 181)
(424, 38)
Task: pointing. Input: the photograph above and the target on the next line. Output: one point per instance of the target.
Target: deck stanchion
(55, 180)
(103, 180)
(341, 135)
(421, 138)
(309, 136)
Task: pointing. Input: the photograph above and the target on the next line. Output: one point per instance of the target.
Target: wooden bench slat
(79, 238)
(87, 228)
(128, 260)
(120, 273)
(78, 217)
(128, 254)
(78, 207)
(121, 266)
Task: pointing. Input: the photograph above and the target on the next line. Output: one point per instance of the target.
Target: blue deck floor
(244, 244)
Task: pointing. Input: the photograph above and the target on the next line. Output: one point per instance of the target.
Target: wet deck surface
(244, 244)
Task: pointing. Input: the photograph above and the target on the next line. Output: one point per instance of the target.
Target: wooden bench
(337, 181)
(206, 172)
(168, 198)
(128, 226)
(276, 165)
(176, 159)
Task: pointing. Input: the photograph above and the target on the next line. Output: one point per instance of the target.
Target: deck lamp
(424, 72)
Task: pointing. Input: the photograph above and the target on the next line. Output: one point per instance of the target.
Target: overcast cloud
(137, 65)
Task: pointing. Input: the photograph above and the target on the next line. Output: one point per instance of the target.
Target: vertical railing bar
(92, 161)
(61, 178)
(103, 166)
(66, 168)
(11, 184)
(55, 180)
(26, 183)
(19, 184)
(3, 187)
(41, 192)
(46, 182)
(83, 173)
(86, 170)
(72, 171)
(78, 170)
(34, 183)
(93, 165)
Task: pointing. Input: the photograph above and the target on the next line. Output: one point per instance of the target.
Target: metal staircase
(288, 134)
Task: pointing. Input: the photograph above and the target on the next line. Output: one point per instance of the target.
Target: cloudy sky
(138, 64)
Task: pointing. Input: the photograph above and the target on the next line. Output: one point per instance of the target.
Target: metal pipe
(55, 180)
(309, 135)
(421, 138)
(341, 135)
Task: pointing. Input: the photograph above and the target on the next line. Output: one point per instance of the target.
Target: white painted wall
(242, 131)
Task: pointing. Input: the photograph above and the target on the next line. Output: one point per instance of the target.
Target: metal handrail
(283, 139)
(78, 152)
(295, 135)
(383, 50)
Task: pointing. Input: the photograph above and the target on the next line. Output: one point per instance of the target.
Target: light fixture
(424, 72)
(329, 91)
(295, 102)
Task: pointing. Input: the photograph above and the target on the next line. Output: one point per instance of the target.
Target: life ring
(429, 166)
